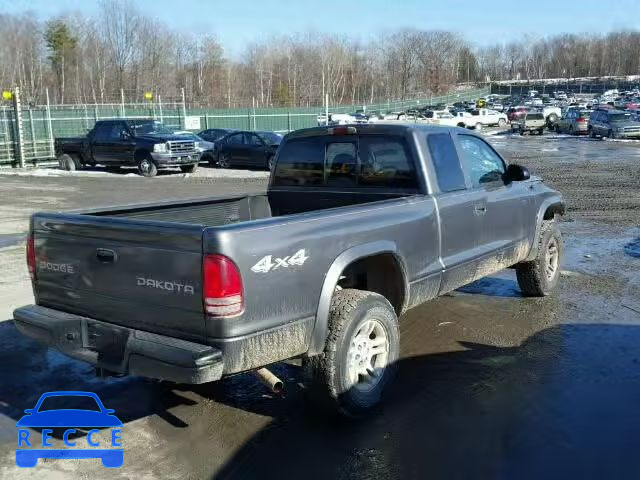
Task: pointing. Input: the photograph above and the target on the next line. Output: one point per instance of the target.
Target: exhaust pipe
(269, 379)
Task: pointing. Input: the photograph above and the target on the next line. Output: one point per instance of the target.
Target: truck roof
(376, 129)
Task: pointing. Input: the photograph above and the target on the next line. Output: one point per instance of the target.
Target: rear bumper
(119, 349)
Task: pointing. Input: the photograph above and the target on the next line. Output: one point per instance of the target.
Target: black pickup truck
(145, 144)
(359, 224)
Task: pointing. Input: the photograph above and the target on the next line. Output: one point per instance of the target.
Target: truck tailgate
(142, 275)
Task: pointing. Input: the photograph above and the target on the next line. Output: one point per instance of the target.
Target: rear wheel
(592, 134)
(502, 122)
(361, 350)
(540, 131)
(146, 166)
(68, 162)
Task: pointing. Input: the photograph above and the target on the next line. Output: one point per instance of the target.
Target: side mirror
(517, 173)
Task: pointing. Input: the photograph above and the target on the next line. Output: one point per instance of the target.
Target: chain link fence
(27, 132)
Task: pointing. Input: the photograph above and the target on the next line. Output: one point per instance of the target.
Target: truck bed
(220, 211)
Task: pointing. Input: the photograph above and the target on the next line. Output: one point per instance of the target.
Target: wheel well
(140, 154)
(553, 210)
(380, 273)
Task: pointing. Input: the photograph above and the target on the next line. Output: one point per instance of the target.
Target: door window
(236, 139)
(102, 132)
(485, 166)
(252, 139)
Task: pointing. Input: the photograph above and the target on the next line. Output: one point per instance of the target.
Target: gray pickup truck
(359, 224)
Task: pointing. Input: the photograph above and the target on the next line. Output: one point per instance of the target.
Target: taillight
(581, 120)
(31, 256)
(342, 131)
(221, 286)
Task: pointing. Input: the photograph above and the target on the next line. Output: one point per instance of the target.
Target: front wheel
(502, 122)
(359, 359)
(224, 160)
(147, 167)
(189, 168)
(538, 277)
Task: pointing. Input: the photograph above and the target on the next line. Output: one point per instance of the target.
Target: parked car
(575, 121)
(206, 149)
(214, 134)
(145, 144)
(613, 124)
(515, 113)
(532, 122)
(465, 120)
(320, 267)
(341, 119)
(248, 149)
(444, 118)
(485, 117)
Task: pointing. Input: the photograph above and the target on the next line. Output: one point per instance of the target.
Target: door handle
(106, 255)
(479, 209)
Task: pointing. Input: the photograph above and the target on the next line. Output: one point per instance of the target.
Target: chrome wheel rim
(367, 356)
(224, 161)
(145, 166)
(552, 259)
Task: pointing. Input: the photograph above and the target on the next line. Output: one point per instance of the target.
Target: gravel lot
(491, 385)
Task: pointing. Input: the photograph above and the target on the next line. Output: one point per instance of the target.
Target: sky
(237, 23)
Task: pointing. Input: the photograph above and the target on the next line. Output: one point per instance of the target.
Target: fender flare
(555, 201)
(320, 328)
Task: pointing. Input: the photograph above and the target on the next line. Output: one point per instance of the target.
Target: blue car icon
(70, 417)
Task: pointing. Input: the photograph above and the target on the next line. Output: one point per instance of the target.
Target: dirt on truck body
(359, 224)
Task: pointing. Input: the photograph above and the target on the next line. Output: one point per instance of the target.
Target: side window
(252, 139)
(485, 166)
(341, 165)
(446, 163)
(236, 139)
(116, 131)
(386, 162)
(300, 163)
(103, 132)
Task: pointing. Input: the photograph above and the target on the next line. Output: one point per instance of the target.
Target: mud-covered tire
(146, 166)
(534, 277)
(68, 163)
(189, 168)
(327, 375)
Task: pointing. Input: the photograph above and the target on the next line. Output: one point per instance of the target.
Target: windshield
(270, 138)
(149, 127)
(620, 117)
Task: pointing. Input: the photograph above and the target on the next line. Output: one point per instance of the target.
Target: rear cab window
(446, 163)
(351, 161)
